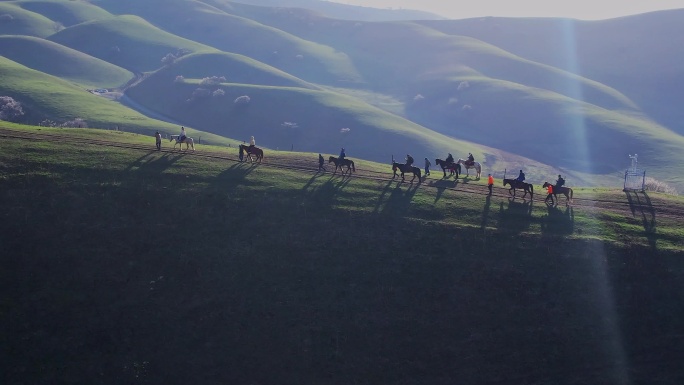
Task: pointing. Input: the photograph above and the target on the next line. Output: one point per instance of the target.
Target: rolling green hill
(510, 91)
(48, 97)
(67, 13)
(211, 26)
(170, 268)
(306, 119)
(634, 54)
(15, 20)
(127, 41)
(64, 62)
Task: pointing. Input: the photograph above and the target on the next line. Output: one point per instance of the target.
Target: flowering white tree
(10, 109)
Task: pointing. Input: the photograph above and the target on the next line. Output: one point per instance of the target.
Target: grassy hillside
(48, 97)
(235, 68)
(327, 8)
(67, 13)
(15, 20)
(63, 62)
(308, 120)
(127, 41)
(634, 54)
(211, 26)
(280, 276)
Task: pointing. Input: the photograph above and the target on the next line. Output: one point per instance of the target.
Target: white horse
(475, 165)
(188, 142)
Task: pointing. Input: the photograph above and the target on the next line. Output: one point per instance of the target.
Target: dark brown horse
(404, 168)
(256, 151)
(453, 167)
(567, 191)
(516, 184)
(342, 162)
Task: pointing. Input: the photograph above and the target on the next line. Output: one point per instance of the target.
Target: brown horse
(404, 168)
(516, 184)
(454, 168)
(567, 191)
(342, 162)
(256, 151)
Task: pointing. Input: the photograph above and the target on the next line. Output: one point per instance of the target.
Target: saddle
(469, 162)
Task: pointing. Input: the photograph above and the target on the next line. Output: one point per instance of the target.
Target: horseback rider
(560, 182)
(182, 136)
(409, 160)
(252, 144)
(521, 177)
(471, 159)
(450, 158)
(342, 154)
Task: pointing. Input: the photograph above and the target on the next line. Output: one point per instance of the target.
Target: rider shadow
(232, 177)
(151, 163)
(641, 206)
(322, 197)
(398, 202)
(558, 222)
(485, 212)
(442, 185)
(515, 218)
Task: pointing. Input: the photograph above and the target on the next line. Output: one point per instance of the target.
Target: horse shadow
(441, 185)
(516, 217)
(396, 201)
(150, 162)
(231, 178)
(641, 206)
(322, 197)
(557, 221)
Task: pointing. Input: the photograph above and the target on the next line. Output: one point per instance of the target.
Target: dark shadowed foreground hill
(122, 264)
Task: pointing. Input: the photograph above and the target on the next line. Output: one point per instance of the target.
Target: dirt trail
(621, 206)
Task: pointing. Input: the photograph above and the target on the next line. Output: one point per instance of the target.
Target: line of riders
(560, 182)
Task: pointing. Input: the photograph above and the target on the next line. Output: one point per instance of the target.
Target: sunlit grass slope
(48, 97)
(18, 21)
(127, 41)
(235, 68)
(304, 119)
(193, 270)
(211, 26)
(65, 12)
(66, 63)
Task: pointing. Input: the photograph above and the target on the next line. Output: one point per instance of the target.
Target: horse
(256, 151)
(567, 191)
(516, 184)
(453, 167)
(188, 142)
(475, 165)
(404, 168)
(342, 162)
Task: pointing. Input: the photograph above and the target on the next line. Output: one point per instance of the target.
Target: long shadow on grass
(485, 212)
(557, 222)
(516, 217)
(322, 197)
(399, 200)
(152, 163)
(641, 206)
(233, 177)
(442, 185)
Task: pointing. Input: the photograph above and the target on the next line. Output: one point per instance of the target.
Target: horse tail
(570, 194)
(192, 143)
(531, 189)
(353, 168)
